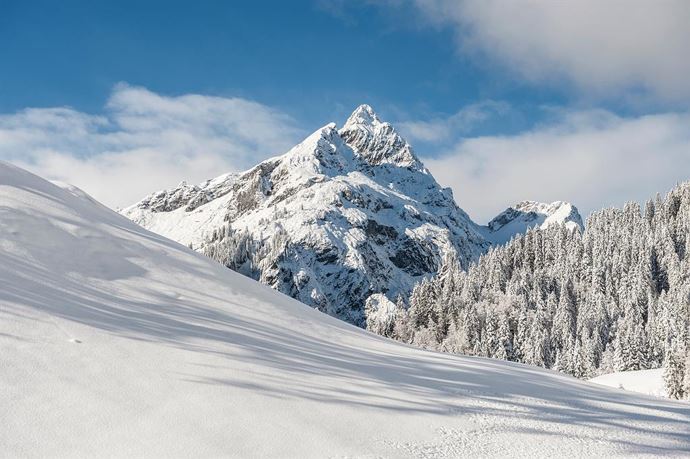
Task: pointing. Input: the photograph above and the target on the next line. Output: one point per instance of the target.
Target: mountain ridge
(344, 214)
(329, 222)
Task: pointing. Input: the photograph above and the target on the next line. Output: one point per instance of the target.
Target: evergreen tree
(614, 297)
(674, 369)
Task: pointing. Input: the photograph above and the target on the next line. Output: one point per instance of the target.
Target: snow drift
(650, 382)
(117, 341)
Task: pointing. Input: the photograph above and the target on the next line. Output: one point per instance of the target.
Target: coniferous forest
(615, 297)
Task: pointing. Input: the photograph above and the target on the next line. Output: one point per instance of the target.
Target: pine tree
(402, 329)
(521, 341)
(490, 337)
(504, 347)
(674, 370)
(686, 377)
(615, 297)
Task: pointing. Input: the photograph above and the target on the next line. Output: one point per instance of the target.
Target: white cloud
(144, 141)
(614, 47)
(591, 158)
(442, 129)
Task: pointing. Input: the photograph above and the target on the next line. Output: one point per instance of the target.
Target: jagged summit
(321, 153)
(377, 142)
(363, 115)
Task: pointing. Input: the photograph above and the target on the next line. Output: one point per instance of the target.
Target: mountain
(116, 341)
(343, 215)
(530, 214)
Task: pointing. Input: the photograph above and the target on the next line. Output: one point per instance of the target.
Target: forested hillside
(614, 297)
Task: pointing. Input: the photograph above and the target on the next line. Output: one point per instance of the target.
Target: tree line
(614, 297)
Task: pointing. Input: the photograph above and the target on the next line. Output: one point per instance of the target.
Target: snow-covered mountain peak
(529, 214)
(340, 216)
(556, 212)
(377, 142)
(363, 115)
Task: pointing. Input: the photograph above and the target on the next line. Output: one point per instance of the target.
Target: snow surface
(531, 214)
(115, 341)
(650, 382)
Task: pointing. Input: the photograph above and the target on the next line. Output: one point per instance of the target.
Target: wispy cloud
(144, 141)
(440, 129)
(621, 48)
(593, 158)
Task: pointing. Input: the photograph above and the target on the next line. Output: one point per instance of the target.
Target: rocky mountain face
(530, 214)
(345, 214)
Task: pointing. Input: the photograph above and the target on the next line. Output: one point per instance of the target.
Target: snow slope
(115, 341)
(650, 382)
(530, 214)
(343, 215)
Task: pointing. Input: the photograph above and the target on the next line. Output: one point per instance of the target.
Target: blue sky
(504, 101)
(311, 59)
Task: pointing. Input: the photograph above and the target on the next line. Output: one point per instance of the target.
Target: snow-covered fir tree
(614, 297)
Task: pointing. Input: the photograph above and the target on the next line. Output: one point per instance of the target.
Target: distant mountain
(343, 215)
(529, 214)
